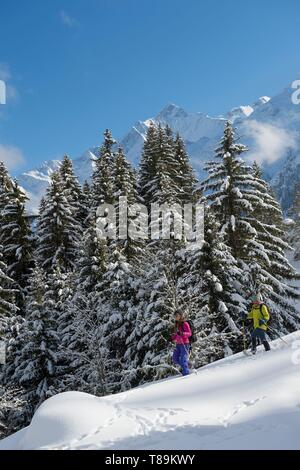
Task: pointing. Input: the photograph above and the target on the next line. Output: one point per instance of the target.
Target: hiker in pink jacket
(182, 333)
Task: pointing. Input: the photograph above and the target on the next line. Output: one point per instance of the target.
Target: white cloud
(5, 75)
(12, 156)
(67, 20)
(271, 142)
(12, 93)
(4, 72)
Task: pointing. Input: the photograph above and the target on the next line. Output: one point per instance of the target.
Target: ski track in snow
(238, 402)
(144, 426)
(225, 420)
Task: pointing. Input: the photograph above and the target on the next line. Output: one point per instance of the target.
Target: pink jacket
(185, 333)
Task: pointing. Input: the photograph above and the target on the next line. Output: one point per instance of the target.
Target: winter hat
(256, 298)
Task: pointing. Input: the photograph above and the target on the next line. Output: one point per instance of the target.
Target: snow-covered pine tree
(147, 169)
(185, 176)
(35, 366)
(102, 190)
(230, 188)
(58, 232)
(235, 195)
(209, 290)
(126, 186)
(165, 189)
(6, 186)
(11, 411)
(17, 240)
(125, 182)
(159, 301)
(165, 178)
(158, 175)
(93, 259)
(12, 404)
(8, 307)
(42, 206)
(81, 336)
(270, 211)
(119, 286)
(94, 280)
(89, 364)
(72, 190)
(62, 289)
(116, 302)
(271, 273)
(86, 203)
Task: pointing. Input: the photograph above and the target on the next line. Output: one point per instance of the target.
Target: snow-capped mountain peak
(171, 111)
(242, 112)
(263, 125)
(262, 100)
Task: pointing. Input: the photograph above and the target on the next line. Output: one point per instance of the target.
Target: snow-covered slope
(271, 127)
(236, 403)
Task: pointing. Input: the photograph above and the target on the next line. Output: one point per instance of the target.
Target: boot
(267, 346)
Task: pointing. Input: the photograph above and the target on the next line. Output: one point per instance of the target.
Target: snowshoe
(247, 352)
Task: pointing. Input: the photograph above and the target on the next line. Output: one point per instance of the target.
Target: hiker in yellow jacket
(260, 315)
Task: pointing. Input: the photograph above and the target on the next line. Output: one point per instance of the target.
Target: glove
(243, 315)
(262, 322)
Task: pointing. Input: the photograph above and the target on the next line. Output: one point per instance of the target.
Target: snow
(240, 113)
(226, 182)
(237, 403)
(218, 287)
(232, 220)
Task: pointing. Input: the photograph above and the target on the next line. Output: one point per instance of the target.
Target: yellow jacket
(259, 312)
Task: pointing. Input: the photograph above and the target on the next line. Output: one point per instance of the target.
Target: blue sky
(75, 67)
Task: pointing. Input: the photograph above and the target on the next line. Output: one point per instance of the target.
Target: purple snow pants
(181, 357)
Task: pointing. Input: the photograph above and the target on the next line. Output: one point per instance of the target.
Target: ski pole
(244, 338)
(278, 335)
(165, 340)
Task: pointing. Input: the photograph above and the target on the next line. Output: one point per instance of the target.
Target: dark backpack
(192, 338)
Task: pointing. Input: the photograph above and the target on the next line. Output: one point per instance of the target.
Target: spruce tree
(17, 240)
(160, 301)
(126, 187)
(86, 203)
(158, 175)
(116, 302)
(185, 176)
(72, 190)
(6, 186)
(35, 368)
(147, 170)
(58, 232)
(164, 184)
(8, 307)
(271, 273)
(103, 189)
(125, 182)
(210, 289)
(230, 188)
(242, 203)
(81, 335)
